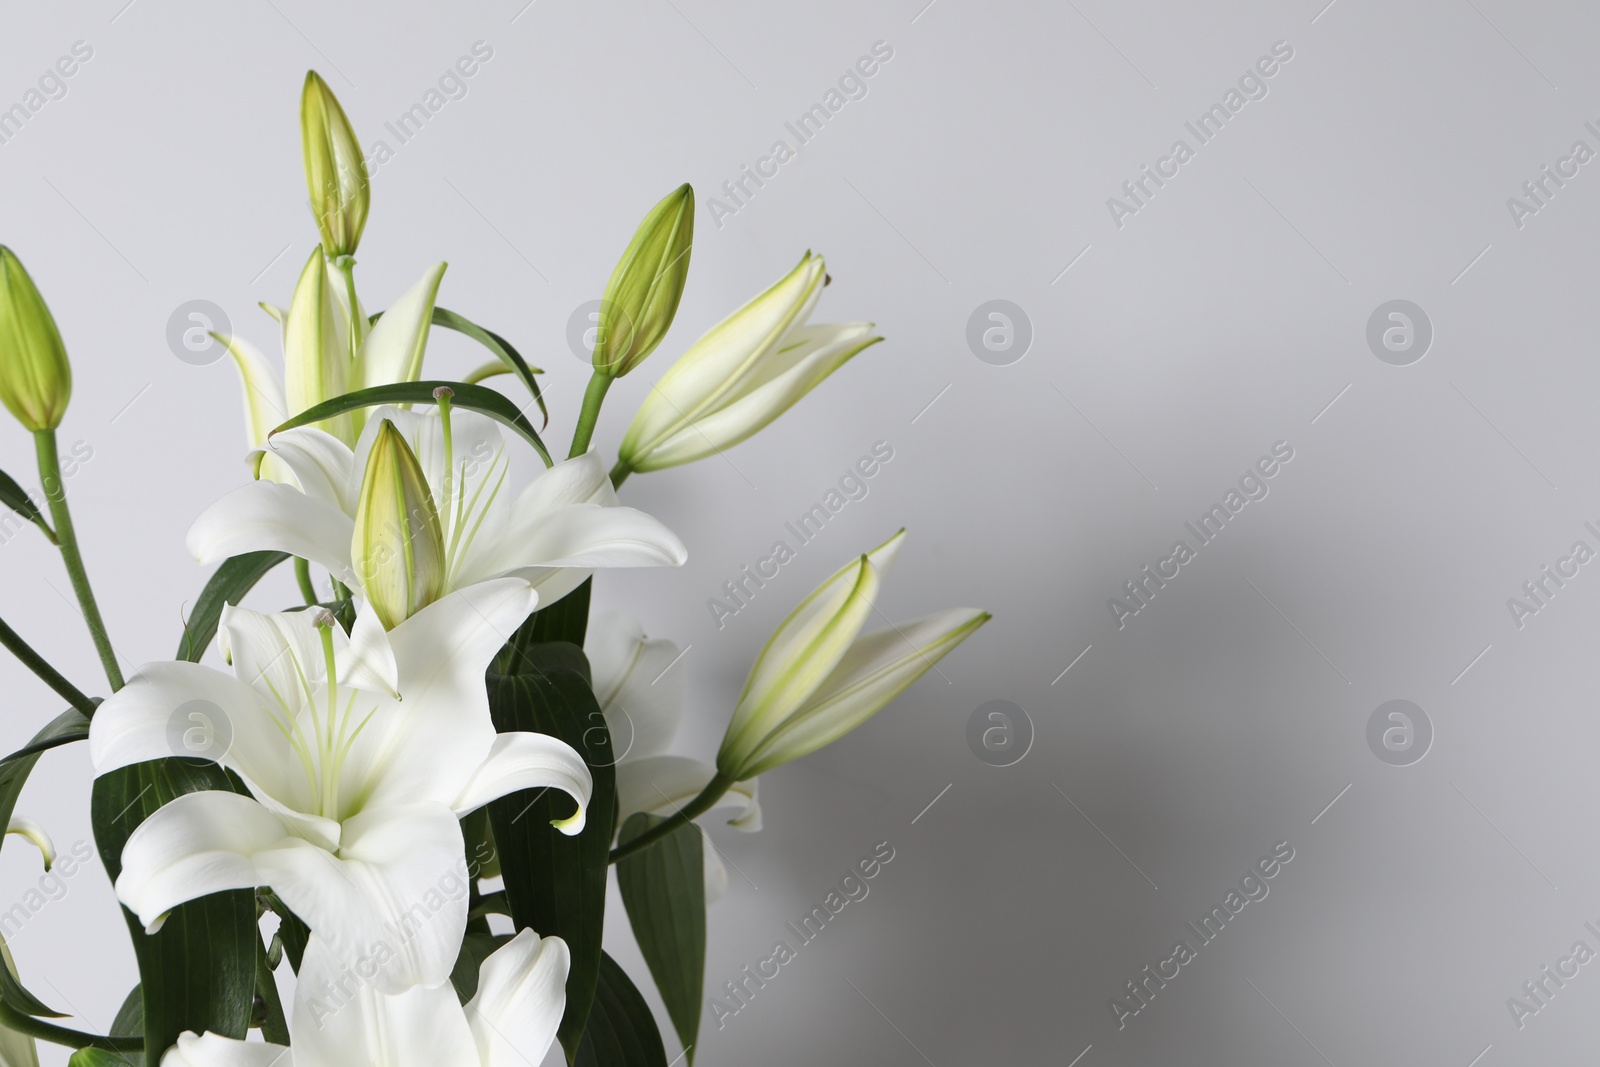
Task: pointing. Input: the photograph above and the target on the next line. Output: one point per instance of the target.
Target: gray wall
(1172, 346)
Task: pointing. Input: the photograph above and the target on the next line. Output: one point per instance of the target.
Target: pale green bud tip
(35, 378)
(642, 296)
(336, 171)
(398, 545)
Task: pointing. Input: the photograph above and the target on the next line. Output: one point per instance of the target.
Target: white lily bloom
(339, 1022)
(327, 352)
(745, 372)
(643, 695)
(819, 677)
(554, 534)
(360, 755)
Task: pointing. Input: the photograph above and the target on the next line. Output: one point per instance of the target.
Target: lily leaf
(70, 725)
(622, 1031)
(17, 499)
(556, 884)
(198, 972)
(505, 355)
(236, 577)
(472, 397)
(664, 890)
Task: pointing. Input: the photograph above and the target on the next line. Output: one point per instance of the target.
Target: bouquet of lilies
(408, 790)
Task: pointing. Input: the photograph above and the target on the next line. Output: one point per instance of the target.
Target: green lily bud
(35, 378)
(336, 171)
(642, 296)
(398, 546)
(820, 677)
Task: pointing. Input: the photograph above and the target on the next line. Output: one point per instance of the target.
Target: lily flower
(643, 695)
(328, 352)
(743, 374)
(337, 1021)
(359, 754)
(554, 534)
(819, 677)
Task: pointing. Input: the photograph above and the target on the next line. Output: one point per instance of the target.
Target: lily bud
(35, 378)
(336, 171)
(642, 296)
(743, 374)
(819, 677)
(398, 546)
(316, 349)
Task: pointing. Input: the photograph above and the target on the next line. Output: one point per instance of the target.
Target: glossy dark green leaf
(198, 972)
(622, 1031)
(130, 1017)
(16, 498)
(664, 889)
(499, 346)
(567, 620)
(236, 577)
(70, 725)
(477, 398)
(18, 998)
(556, 884)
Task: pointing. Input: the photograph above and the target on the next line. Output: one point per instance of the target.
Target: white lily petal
(660, 785)
(530, 761)
(322, 464)
(340, 1019)
(394, 896)
(579, 480)
(774, 390)
(275, 654)
(716, 874)
(196, 844)
(878, 668)
(26, 827)
(640, 692)
(268, 515)
(214, 1050)
(184, 709)
(393, 350)
(589, 536)
(522, 991)
(368, 661)
(264, 406)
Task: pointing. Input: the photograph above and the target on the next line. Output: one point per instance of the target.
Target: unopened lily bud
(26, 827)
(35, 378)
(336, 171)
(398, 546)
(642, 296)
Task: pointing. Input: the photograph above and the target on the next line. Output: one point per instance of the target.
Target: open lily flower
(339, 1022)
(360, 756)
(745, 372)
(642, 693)
(819, 677)
(329, 351)
(554, 534)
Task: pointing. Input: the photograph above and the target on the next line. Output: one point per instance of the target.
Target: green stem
(61, 1035)
(56, 493)
(593, 397)
(619, 473)
(719, 784)
(47, 674)
(274, 1028)
(302, 574)
(345, 268)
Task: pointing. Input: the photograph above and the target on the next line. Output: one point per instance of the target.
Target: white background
(1223, 317)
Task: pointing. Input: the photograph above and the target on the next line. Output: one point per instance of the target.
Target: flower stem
(56, 493)
(47, 674)
(719, 784)
(302, 575)
(619, 473)
(593, 397)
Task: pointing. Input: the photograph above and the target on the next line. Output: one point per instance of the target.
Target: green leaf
(17, 499)
(130, 1017)
(475, 948)
(18, 998)
(236, 577)
(664, 890)
(292, 930)
(556, 884)
(70, 725)
(499, 346)
(99, 1057)
(477, 398)
(567, 620)
(622, 1031)
(198, 972)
